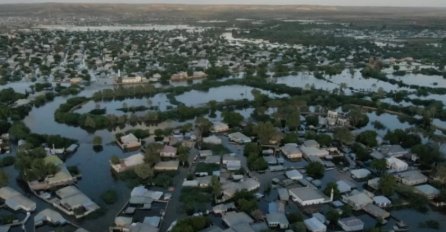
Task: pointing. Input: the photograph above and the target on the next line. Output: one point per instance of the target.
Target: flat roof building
(291, 151)
(294, 174)
(307, 196)
(239, 137)
(15, 200)
(277, 220)
(351, 224)
(427, 190)
(314, 225)
(412, 177)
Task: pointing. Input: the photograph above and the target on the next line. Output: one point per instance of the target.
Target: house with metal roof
(15, 200)
(351, 224)
(314, 225)
(277, 220)
(308, 196)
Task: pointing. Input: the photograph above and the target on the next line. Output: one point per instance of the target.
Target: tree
(360, 151)
(358, 119)
(152, 153)
(212, 107)
(109, 197)
(97, 143)
(404, 138)
(315, 170)
(216, 186)
(232, 118)
(144, 171)
(183, 154)
(380, 165)
(367, 138)
(299, 227)
(267, 133)
(3, 178)
(333, 216)
(203, 125)
(257, 163)
(312, 120)
(90, 123)
(294, 217)
(115, 159)
(347, 210)
(440, 173)
(252, 148)
(427, 154)
(332, 186)
(387, 184)
(344, 135)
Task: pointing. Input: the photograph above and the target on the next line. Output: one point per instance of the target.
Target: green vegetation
(332, 186)
(232, 118)
(3, 178)
(315, 170)
(431, 224)
(32, 165)
(109, 197)
(403, 138)
(255, 160)
(245, 201)
(191, 224)
(368, 138)
(195, 199)
(344, 135)
(387, 184)
(205, 167)
(7, 161)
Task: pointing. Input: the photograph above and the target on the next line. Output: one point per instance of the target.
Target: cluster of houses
(143, 201)
(184, 76)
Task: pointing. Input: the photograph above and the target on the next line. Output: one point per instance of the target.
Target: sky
(407, 3)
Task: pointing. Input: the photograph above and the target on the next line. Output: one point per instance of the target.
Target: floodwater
(146, 27)
(94, 166)
(220, 94)
(159, 101)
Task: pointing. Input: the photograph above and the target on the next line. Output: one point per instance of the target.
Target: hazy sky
(411, 3)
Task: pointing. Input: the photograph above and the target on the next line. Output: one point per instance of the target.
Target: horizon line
(220, 4)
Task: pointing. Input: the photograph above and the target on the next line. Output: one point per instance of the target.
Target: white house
(351, 224)
(412, 177)
(314, 225)
(212, 140)
(277, 220)
(239, 137)
(360, 173)
(396, 165)
(219, 127)
(128, 163)
(307, 196)
(291, 151)
(129, 141)
(357, 199)
(131, 80)
(294, 174)
(15, 200)
(313, 152)
(427, 190)
(382, 201)
(168, 152)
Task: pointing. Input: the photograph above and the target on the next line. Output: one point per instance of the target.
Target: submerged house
(61, 178)
(73, 202)
(129, 142)
(128, 163)
(15, 200)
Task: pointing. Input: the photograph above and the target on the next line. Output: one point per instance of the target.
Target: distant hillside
(155, 12)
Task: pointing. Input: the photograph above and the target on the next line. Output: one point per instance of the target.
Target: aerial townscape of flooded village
(182, 118)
